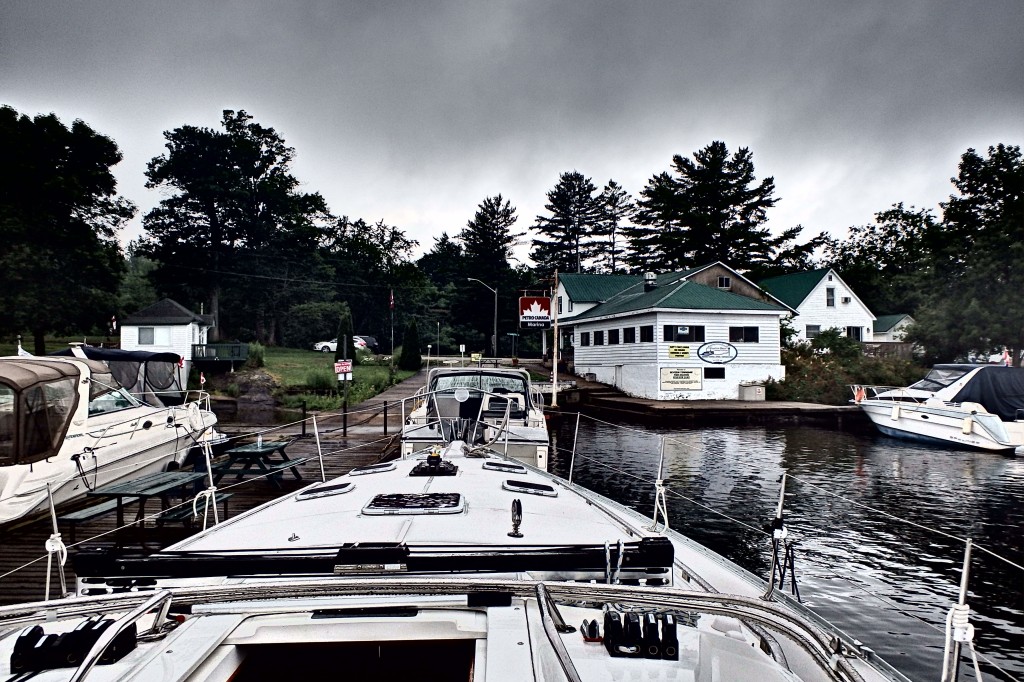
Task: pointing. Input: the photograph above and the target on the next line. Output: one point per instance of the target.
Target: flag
(202, 379)
(392, 304)
(22, 352)
(113, 323)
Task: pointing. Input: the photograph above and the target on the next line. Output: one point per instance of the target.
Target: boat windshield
(107, 395)
(489, 383)
(940, 377)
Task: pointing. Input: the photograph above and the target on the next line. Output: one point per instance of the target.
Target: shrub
(257, 355)
(322, 380)
(410, 359)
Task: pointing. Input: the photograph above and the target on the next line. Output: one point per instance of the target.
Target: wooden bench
(87, 514)
(184, 513)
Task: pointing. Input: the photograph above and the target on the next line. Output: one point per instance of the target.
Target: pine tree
(411, 360)
(710, 210)
(617, 209)
(575, 213)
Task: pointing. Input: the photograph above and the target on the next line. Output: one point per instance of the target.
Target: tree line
(236, 236)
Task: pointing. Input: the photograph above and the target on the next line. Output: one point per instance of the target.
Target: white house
(166, 326)
(892, 327)
(822, 301)
(670, 337)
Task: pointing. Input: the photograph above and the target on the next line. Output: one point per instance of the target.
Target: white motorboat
(500, 407)
(961, 405)
(67, 426)
(453, 563)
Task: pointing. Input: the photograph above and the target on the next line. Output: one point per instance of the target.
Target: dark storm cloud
(415, 111)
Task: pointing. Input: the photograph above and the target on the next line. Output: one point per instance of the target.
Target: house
(166, 326)
(822, 301)
(674, 336)
(892, 327)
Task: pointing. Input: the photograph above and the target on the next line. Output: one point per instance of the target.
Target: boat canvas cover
(151, 377)
(37, 399)
(999, 389)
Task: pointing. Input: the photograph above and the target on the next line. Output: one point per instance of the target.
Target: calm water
(887, 581)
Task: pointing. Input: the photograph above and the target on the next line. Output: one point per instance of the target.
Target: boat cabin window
(107, 395)
(488, 383)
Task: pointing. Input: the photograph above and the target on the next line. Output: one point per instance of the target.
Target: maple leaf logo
(535, 309)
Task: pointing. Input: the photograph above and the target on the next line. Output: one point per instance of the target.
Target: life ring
(860, 394)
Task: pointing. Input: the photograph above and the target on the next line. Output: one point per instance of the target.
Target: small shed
(166, 326)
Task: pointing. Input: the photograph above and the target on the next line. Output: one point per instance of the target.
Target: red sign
(534, 312)
(343, 367)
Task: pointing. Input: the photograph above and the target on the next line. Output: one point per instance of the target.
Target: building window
(629, 335)
(812, 331)
(714, 372)
(647, 334)
(744, 334)
(725, 283)
(830, 297)
(599, 338)
(559, 305)
(584, 338)
(570, 305)
(613, 337)
(154, 336)
(683, 332)
(854, 333)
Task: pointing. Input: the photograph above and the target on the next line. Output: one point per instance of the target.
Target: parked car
(368, 342)
(326, 346)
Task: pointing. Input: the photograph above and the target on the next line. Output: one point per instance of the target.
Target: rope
(958, 631)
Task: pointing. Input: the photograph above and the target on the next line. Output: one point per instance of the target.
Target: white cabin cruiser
(960, 405)
(499, 406)
(67, 426)
(416, 569)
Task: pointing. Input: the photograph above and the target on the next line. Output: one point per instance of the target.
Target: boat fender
(895, 414)
(652, 640)
(968, 425)
(669, 638)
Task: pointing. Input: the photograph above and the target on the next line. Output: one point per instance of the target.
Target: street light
(495, 337)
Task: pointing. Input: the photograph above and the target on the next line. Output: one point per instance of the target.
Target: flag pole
(554, 345)
(392, 306)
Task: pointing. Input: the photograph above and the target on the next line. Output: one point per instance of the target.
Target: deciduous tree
(59, 220)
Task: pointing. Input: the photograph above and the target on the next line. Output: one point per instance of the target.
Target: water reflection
(879, 523)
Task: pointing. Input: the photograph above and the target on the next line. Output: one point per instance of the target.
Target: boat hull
(936, 425)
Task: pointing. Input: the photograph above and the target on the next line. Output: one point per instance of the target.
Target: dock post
(303, 418)
(344, 418)
(385, 417)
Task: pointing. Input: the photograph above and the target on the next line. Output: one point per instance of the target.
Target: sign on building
(534, 312)
(679, 352)
(681, 379)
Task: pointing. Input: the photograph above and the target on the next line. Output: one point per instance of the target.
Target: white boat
(962, 405)
(498, 407)
(67, 425)
(454, 563)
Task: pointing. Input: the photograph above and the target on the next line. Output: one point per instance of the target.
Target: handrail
(553, 628)
(161, 599)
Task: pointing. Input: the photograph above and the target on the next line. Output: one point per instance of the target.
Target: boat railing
(447, 425)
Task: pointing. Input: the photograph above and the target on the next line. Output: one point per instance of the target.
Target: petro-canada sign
(534, 312)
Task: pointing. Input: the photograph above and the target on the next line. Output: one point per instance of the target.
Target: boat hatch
(416, 503)
(373, 468)
(507, 467)
(321, 490)
(529, 488)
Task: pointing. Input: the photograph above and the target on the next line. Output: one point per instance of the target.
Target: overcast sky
(414, 111)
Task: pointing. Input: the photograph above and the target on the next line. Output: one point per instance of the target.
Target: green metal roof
(884, 323)
(793, 289)
(681, 295)
(588, 288)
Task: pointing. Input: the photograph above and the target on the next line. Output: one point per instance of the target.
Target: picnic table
(267, 458)
(159, 484)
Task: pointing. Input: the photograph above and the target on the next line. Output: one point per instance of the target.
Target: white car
(326, 346)
(332, 345)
